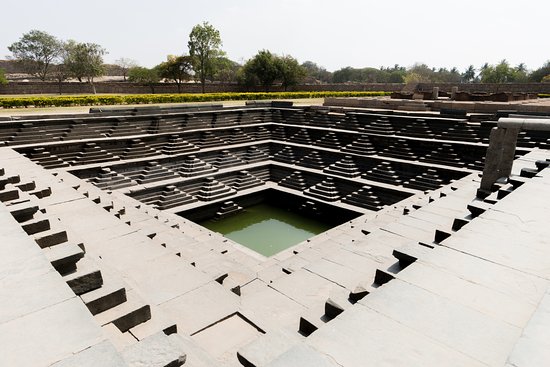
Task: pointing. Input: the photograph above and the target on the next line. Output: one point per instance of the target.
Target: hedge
(93, 100)
(544, 95)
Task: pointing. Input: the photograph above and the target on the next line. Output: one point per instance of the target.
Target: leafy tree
(176, 68)
(546, 79)
(36, 51)
(538, 74)
(204, 46)
(85, 60)
(469, 75)
(125, 64)
(225, 70)
(316, 73)
(261, 69)
(3, 79)
(503, 73)
(289, 71)
(139, 74)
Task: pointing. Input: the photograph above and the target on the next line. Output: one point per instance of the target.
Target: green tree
(3, 79)
(143, 75)
(204, 46)
(316, 73)
(85, 61)
(177, 69)
(538, 74)
(469, 75)
(36, 51)
(503, 73)
(225, 70)
(289, 71)
(261, 69)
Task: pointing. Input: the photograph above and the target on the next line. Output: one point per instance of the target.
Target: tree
(261, 69)
(143, 75)
(36, 51)
(289, 71)
(225, 70)
(3, 79)
(85, 60)
(204, 46)
(538, 74)
(469, 75)
(502, 73)
(316, 73)
(125, 64)
(176, 68)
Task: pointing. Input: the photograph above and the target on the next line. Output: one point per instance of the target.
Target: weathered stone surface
(158, 350)
(102, 354)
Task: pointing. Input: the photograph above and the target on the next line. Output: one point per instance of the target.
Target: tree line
(48, 58)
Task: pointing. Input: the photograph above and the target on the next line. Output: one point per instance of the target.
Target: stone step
(23, 212)
(64, 257)
(36, 225)
(158, 323)
(127, 314)
(86, 278)
(108, 296)
(51, 237)
(267, 347)
(159, 350)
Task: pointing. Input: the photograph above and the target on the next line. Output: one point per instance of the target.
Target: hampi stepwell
(437, 255)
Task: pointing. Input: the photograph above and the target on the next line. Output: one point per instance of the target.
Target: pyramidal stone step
(364, 198)
(177, 145)
(325, 190)
(261, 133)
(383, 172)
(246, 181)
(171, 197)
(226, 159)
(313, 160)
(362, 146)
(428, 180)
(285, 155)
(138, 149)
(92, 153)
(345, 167)
(111, 180)
(238, 136)
(228, 208)
(193, 166)
(301, 137)
(209, 139)
(153, 172)
(213, 190)
(295, 181)
(45, 159)
(253, 154)
(279, 133)
(330, 140)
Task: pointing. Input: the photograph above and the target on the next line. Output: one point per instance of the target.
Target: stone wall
(134, 88)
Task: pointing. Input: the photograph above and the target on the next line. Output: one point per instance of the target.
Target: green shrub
(544, 95)
(92, 100)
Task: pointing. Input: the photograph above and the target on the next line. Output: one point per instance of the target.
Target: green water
(267, 229)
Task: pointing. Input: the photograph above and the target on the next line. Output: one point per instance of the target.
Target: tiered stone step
(160, 125)
(29, 134)
(301, 137)
(418, 128)
(383, 172)
(126, 315)
(108, 296)
(177, 145)
(279, 133)
(345, 167)
(171, 197)
(153, 172)
(246, 181)
(285, 155)
(381, 126)
(364, 198)
(111, 180)
(253, 154)
(138, 149)
(261, 133)
(226, 119)
(46, 159)
(362, 146)
(295, 181)
(213, 190)
(325, 190)
(92, 153)
(350, 122)
(428, 180)
(86, 278)
(462, 132)
(399, 149)
(80, 130)
(226, 159)
(442, 154)
(123, 127)
(330, 140)
(238, 136)
(226, 209)
(209, 139)
(193, 166)
(313, 160)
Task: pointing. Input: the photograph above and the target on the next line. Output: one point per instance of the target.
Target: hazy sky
(331, 33)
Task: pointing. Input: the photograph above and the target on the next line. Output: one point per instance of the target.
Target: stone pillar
(499, 157)
(435, 93)
(454, 91)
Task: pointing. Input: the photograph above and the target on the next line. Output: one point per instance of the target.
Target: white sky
(333, 34)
